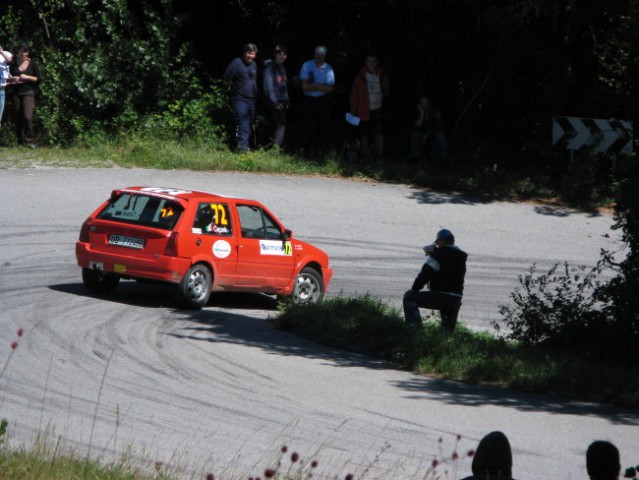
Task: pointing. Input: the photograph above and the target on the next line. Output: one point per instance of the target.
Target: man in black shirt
(444, 271)
(241, 76)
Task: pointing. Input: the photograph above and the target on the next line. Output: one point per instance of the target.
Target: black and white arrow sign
(600, 136)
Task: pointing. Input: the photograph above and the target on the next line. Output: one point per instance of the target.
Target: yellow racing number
(220, 214)
(288, 248)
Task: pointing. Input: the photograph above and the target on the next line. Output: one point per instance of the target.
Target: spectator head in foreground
(602, 461)
(493, 458)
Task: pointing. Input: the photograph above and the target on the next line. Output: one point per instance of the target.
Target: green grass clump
(39, 465)
(368, 325)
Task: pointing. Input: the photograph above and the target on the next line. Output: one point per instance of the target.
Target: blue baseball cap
(445, 234)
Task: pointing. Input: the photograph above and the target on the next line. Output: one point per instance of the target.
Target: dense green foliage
(111, 68)
(620, 294)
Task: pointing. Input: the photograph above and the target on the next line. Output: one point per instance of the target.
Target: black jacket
(445, 270)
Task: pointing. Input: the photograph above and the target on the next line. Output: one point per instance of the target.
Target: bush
(558, 309)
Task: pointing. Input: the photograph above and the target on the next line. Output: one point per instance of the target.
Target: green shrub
(557, 309)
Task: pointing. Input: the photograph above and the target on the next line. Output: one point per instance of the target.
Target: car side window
(213, 219)
(256, 223)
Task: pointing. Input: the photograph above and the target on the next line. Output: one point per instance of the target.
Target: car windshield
(143, 210)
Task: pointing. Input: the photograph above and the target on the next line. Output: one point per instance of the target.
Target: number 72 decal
(220, 214)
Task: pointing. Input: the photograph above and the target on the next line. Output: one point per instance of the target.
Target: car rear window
(143, 210)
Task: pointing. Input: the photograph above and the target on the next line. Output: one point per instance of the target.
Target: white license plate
(124, 241)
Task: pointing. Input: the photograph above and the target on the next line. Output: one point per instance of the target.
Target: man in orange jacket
(368, 93)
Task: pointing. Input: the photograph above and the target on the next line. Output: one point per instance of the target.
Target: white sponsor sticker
(275, 247)
(221, 249)
(165, 191)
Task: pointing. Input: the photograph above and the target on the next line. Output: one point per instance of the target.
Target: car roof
(179, 193)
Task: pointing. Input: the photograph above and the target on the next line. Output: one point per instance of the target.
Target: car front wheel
(309, 287)
(195, 287)
(99, 282)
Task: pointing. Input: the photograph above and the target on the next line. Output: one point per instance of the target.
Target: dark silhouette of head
(493, 458)
(602, 461)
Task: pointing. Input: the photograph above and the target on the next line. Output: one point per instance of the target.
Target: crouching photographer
(444, 272)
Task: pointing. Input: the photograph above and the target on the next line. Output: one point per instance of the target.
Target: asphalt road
(221, 390)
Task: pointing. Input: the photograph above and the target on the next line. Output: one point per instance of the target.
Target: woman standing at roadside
(26, 75)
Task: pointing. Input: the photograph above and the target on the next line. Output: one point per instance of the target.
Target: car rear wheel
(195, 287)
(309, 287)
(99, 282)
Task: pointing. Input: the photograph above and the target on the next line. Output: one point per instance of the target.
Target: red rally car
(200, 242)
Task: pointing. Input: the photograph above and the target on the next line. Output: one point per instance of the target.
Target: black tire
(195, 288)
(309, 287)
(99, 282)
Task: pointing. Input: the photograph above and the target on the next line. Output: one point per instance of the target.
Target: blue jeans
(419, 142)
(244, 113)
(448, 306)
(1, 104)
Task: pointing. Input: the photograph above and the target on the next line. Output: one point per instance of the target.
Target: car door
(212, 237)
(265, 257)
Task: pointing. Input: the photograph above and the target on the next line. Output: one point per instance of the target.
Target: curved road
(221, 390)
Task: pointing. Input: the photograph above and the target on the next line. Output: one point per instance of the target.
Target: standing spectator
(5, 61)
(318, 80)
(370, 89)
(26, 75)
(276, 92)
(493, 459)
(428, 129)
(444, 271)
(602, 461)
(241, 76)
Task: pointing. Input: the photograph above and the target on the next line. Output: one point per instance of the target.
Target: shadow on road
(216, 325)
(456, 393)
(247, 319)
(437, 198)
(160, 295)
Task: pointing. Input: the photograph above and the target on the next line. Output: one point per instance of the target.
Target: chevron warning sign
(600, 136)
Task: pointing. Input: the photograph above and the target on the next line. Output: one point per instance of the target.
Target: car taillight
(171, 245)
(84, 232)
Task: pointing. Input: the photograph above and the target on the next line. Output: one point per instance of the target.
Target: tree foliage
(105, 63)
(621, 293)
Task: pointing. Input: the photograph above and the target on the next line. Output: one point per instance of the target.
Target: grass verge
(370, 326)
(494, 176)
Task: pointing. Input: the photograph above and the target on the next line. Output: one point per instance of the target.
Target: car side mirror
(287, 234)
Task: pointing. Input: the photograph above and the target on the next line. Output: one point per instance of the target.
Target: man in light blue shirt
(318, 80)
